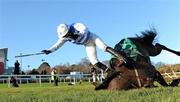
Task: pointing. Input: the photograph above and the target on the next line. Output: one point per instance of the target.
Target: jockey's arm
(57, 45)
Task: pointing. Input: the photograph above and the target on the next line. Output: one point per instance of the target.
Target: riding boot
(100, 65)
(104, 84)
(117, 55)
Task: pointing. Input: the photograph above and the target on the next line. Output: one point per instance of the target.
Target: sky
(29, 26)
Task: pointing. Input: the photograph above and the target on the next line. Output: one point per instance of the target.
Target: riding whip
(26, 55)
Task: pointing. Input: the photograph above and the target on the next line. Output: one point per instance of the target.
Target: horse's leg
(175, 82)
(160, 79)
(168, 49)
(105, 83)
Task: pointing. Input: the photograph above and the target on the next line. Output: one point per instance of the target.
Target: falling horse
(138, 71)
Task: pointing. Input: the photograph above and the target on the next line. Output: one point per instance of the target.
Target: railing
(171, 75)
(5, 79)
(45, 78)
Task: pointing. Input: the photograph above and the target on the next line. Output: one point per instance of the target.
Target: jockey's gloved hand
(46, 51)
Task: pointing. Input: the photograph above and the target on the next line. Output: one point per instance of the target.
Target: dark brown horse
(138, 71)
(136, 77)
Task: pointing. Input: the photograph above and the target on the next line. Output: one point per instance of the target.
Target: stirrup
(107, 70)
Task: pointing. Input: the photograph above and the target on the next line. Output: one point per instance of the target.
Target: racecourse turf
(84, 92)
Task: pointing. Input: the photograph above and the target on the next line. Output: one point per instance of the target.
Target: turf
(84, 93)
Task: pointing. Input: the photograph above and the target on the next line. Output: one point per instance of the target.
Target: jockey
(79, 34)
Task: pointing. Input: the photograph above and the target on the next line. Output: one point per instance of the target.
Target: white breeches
(91, 48)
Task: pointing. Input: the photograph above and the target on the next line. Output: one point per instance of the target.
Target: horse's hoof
(175, 82)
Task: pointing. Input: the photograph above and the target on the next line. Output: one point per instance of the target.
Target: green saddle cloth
(130, 49)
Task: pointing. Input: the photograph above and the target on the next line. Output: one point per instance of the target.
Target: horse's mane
(148, 36)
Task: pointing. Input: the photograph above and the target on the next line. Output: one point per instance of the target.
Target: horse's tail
(148, 36)
(175, 82)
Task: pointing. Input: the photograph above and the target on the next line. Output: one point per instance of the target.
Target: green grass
(84, 93)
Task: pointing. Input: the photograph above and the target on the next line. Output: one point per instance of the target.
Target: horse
(136, 77)
(138, 72)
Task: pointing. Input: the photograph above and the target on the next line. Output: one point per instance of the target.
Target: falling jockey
(78, 33)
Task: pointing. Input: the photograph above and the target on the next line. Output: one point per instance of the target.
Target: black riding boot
(117, 55)
(100, 65)
(104, 84)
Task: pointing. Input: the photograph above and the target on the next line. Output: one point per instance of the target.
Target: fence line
(171, 75)
(45, 78)
(62, 78)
